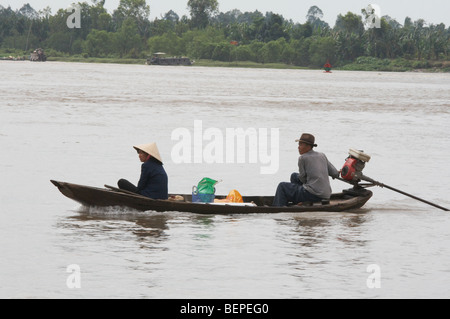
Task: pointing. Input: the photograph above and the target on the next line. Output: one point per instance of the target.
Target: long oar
(119, 190)
(368, 179)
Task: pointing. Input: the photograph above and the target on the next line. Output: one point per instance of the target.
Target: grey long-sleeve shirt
(314, 169)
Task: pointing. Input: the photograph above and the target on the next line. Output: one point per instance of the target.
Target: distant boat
(159, 59)
(38, 55)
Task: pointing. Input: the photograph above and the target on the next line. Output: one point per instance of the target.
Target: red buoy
(327, 67)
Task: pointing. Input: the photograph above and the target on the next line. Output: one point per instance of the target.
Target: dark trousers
(293, 192)
(126, 185)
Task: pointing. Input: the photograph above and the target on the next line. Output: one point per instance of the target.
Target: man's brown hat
(308, 139)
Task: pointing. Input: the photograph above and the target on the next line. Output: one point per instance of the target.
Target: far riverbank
(360, 64)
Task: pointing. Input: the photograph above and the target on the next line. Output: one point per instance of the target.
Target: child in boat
(153, 182)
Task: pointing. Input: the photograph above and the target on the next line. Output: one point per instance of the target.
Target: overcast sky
(432, 11)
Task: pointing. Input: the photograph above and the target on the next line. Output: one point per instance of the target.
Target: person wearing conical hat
(311, 183)
(153, 182)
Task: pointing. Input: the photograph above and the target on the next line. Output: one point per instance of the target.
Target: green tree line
(207, 33)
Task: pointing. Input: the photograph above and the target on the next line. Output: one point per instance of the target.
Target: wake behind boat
(110, 196)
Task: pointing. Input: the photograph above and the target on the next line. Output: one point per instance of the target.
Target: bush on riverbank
(396, 65)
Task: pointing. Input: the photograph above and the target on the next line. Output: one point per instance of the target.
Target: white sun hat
(151, 149)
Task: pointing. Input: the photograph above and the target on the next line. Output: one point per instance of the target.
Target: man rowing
(311, 183)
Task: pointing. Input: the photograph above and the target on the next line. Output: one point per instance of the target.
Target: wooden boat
(160, 59)
(110, 196)
(38, 55)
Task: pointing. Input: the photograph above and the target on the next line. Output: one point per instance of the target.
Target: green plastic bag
(206, 186)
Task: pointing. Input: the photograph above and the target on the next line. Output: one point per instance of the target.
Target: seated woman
(153, 181)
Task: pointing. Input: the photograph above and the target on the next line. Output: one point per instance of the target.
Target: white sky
(432, 11)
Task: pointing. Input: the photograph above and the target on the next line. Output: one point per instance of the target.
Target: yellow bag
(234, 197)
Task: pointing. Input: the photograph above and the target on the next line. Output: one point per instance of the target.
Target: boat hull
(101, 197)
(169, 61)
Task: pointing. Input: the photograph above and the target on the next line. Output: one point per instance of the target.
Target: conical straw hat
(151, 149)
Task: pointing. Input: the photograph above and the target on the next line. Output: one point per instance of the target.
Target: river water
(77, 122)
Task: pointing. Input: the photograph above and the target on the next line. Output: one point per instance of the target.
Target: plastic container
(201, 198)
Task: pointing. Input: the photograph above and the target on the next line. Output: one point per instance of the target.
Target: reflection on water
(212, 248)
(113, 222)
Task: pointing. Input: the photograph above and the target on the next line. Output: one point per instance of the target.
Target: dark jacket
(153, 181)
